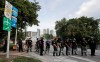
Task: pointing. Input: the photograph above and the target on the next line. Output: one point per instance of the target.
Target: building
(47, 30)
(31, 34)
(51, 32)
(44, 31)
(34, 36)
(38, 33)
(28, 34)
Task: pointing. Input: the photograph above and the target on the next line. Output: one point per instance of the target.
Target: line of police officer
(71, 45)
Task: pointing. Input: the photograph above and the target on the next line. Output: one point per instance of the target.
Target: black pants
(81, 51)
(29, 49)
(66, 50)
(47, 49)
(4, 48)
(92, 51)
(73, 51)
(20, 48)
(41, 51)
(55, 51)
(61, 51)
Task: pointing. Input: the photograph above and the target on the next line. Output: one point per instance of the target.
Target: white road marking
(81, 58)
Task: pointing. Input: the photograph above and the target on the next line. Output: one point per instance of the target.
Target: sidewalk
(49, 58)
(13, 53)
(16, 53)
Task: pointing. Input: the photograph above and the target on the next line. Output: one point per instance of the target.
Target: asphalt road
(71, 58)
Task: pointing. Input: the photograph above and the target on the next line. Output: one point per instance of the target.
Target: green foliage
(3, 60)
(25, 59)
(19, 59)
(82, 27)
(48, 36)
(27, 14)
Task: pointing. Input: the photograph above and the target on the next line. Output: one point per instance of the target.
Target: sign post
(7, 23)
(16, 37)
(7, 26)
(8, 10)
(14, 20)
(9, 20)
(8, 44)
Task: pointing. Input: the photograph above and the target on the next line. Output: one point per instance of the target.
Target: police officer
(74, 46)
(4, 45)
(37, 45)
(83, 46)
(67, 45)
(41, 46)
(61, 48)
(55, 47)
(47, 43)
(20, 44)
(92, 46)
(29, 45)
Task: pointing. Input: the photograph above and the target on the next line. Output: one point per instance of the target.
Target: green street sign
(6, 24)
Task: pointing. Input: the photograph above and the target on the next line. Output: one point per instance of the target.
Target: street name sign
(8, 10)
(6, 24)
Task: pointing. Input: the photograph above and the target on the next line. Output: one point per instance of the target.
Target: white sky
(54, 10)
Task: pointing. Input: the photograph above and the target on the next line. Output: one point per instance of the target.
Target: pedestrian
(41, 46)
(92, 46)
(20, 45)
(55, 47)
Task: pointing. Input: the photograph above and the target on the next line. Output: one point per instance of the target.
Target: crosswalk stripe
(81, 58)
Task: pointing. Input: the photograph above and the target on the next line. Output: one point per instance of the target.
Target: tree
(78, 27)
(61, 28)
(48, 36)
(27, 14)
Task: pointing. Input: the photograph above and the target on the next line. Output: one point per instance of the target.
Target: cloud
(89, 8)
(54, 4)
